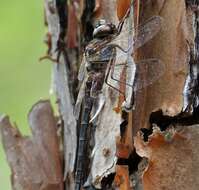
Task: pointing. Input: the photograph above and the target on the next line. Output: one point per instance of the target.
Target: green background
(23, 80)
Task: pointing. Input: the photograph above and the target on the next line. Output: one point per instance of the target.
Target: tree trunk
(148, 147)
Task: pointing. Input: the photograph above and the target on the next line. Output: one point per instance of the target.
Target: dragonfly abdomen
(81, 157)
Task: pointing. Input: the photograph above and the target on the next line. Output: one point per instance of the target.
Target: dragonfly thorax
(98, 60)
(103, 54)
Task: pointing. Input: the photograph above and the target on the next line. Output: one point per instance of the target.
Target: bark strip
(35, 161)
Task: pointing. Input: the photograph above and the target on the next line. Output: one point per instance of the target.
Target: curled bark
(111, 161)
(173, 158)
(64, 75)
(35, 161)
(170, 47)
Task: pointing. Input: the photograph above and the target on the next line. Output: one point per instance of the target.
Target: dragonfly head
(104, 29)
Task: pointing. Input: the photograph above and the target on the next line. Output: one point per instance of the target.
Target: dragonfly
(103, 61)
(106, 52)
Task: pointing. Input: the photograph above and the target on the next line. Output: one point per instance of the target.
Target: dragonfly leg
(49, 57)
(119, 27)
(115, 79)
(110, 65)
(129, 99)
(119, 47)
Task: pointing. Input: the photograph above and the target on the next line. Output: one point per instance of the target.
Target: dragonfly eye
(104, 29)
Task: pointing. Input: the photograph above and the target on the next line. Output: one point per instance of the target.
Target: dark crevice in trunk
(164, 121)
(191, 89)
(107, 182)
(190, 112)
(68, 54)
(62, 12)
(87, 19)
(61, 45)
(132, 162)
(146, 133)
(123, 127)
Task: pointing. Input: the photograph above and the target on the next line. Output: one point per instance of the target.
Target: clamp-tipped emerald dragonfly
(103, 57)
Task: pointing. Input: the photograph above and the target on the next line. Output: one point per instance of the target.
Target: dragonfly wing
(143, 73)
(79, 100)
(144, 33)
(121, 62)
(123, 37)
(130, 80)
(101, 102)
(147, 31)
(82, 69)
(147, 72)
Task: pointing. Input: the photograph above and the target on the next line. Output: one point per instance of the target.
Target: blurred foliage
(23, 80)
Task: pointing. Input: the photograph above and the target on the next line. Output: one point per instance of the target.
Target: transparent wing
(82, 69)
(147, 31)
(147, 72)
(80, 97)
(144, 33)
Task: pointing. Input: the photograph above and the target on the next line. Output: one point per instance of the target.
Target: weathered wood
(35, 161)
(63, 92)
(173, 158)
(170, 46)
(122, 178)
(108, 122)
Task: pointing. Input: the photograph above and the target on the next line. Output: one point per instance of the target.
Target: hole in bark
(133, 161)
(146, 133)
(164, 121)
(190, 119)
(87, 20)
(123, 126)
(107, 181)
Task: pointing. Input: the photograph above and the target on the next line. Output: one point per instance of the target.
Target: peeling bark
(170, 103)
(173, 158)
(61, 85)
(170, 47)
(108, 128)
(35, 161)
(122, 178)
